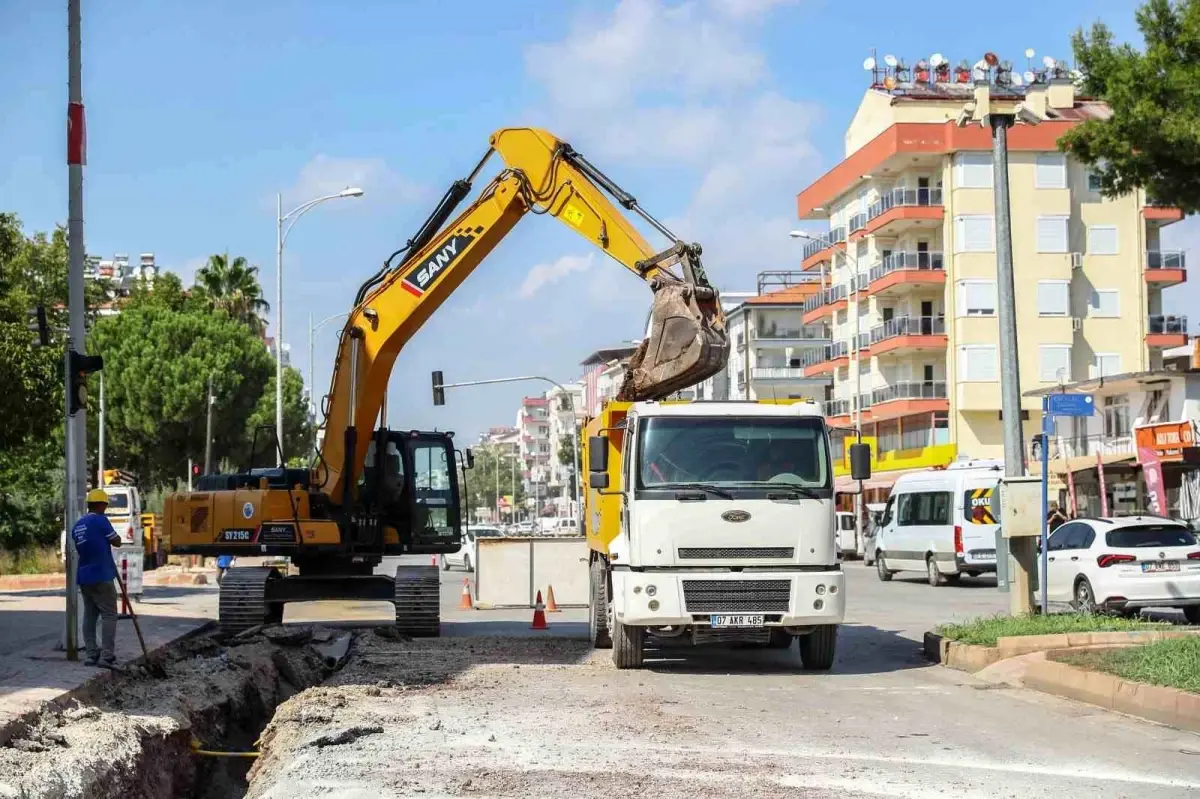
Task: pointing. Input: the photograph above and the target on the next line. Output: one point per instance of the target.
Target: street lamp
(280, 237)
(312, 332)
(856, 405)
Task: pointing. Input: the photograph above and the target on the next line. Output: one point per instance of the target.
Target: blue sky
(714, 113)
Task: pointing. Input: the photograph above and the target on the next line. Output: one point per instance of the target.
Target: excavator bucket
(687, 343)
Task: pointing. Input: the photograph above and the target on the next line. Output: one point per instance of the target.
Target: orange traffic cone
(465, 603)
(551, 606)
(539, 614)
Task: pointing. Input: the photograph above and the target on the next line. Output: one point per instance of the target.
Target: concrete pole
(279, 327)
(76, 460)
(100, 448)
(311, 402)
(1023, 550)
(208, 434)
(854, 364)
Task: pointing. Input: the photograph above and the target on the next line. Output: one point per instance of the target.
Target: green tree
(297, 424)
(232, 286)
(1152, 139)
(481, 481)
(157, 363)
(565, 452)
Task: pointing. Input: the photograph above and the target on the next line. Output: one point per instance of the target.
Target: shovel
(155, 668)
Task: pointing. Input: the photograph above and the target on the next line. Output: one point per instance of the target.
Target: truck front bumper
(784, 598)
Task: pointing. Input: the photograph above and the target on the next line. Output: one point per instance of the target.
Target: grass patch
(1174, 663)
(39, 560)
(984, 631)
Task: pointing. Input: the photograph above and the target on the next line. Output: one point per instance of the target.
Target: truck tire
(780, 639)
(598, 607)
(817, 649)
(627, 645)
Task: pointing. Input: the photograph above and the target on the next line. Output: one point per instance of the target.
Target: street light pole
(312, 332)
(280, 237)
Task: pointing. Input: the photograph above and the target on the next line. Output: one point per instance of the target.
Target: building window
(973, 170)
(1055, 362)
(1106, 364)
(1093, 181)
(1116, 416)
(1052, 233)
(918, 432)
(1053, 297)
(889, 436)
(941, 427)
(977, 363)
(974, 233)
(976, 298)
(1158, 406)
(1051, 171)
(1105, 303)
(1102, 240)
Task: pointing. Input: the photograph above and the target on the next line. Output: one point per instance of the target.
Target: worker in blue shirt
(95, 539)
(224, 563)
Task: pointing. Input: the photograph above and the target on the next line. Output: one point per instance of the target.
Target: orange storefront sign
(1166, 440)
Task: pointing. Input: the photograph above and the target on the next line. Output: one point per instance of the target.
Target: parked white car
(1125, 564)
(846, 535)
(467, 556)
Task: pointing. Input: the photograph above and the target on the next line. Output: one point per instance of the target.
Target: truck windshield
(728, 451)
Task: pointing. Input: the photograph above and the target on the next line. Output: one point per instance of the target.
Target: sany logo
(424, 277)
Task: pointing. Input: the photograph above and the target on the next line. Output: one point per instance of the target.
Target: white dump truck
(713, 522)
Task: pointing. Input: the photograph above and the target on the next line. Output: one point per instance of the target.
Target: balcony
(902, 270)
(825, 359)
(909, 334)
(902, 399)
(839, 412)
(778, 373)
(776, 337)
(1080, 452)
(818, 251)
(1161, 215)
(1166, 331)
(824, 303)
(901, 209)
(1166, 267)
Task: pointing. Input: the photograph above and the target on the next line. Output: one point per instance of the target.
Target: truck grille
(736, 596)
(714, 553)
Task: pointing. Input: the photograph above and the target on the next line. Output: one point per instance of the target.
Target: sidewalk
(32, 668)
(165, 575)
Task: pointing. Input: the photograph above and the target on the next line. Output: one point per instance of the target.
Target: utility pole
(76, 449)
(208, 435)
(100, 448)
(1010, 374)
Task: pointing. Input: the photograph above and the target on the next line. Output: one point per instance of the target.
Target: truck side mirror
(598, 480)
(597, 456)
(470, 458)
(860, 461)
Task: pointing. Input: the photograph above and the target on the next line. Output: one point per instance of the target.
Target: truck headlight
(651, 590)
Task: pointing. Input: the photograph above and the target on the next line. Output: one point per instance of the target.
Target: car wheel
(881, 568)
(445, 563)
(1192, 614)
(467, 563)
(818, 648)
(933, 573)
(1085, 599)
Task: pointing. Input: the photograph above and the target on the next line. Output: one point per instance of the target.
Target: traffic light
(38, 324)
(79, 367)
(196, 469)
(439, 393)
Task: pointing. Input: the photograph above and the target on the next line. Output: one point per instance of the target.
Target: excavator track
(418, 600)
(243, 602)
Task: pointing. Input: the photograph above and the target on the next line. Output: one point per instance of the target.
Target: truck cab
(713, 522)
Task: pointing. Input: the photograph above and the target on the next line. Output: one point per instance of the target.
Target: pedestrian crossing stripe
(981, 506)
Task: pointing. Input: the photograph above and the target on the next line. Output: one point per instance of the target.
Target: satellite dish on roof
(1048, 62)
(1029, 76)
(869, 64)
(889, 82)
(1076, 75)
(1016, 80)
(890, 60)
(937, 59)
(1029, 53)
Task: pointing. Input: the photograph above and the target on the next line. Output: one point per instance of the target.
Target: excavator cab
(410, 484)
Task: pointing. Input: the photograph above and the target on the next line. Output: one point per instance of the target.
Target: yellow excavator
(374, 493)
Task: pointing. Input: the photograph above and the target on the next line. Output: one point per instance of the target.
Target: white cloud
(545, 274)
(325, 174)
(685, 85)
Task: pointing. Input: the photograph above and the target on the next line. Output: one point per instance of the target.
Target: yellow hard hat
(97, 495)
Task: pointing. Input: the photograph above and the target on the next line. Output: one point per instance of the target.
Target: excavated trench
(132, 734)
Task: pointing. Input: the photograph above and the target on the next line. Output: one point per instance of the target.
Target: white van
(124, 512)
(847, 544)
(941, 522)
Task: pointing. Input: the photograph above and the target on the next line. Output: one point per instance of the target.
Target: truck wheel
(1191, 613)
(881, 568)
(933, 573)
(818, 648)
(598, 607)
(627, 645)
(780, 639)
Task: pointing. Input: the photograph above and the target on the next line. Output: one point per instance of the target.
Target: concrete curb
(972, 658)
(1168, 706)
(43, 582)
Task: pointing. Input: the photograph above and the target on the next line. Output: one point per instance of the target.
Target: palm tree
(233, 287)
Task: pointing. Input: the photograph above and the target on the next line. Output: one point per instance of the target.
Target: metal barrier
(510, 571)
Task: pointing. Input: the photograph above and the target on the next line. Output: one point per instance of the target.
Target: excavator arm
(687, 341)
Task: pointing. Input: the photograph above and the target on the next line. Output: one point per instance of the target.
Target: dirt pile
(132, 735)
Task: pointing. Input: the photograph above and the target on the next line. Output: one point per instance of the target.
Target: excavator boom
(687, 341)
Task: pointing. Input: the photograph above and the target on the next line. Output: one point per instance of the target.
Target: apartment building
(533, 427)
(910, 259)
(603, 372)
(770, 345)
(565, 410)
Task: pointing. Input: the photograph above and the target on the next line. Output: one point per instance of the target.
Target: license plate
(984, 555)
(1161, 566)
(740, 620)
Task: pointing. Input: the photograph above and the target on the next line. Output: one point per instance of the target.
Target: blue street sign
(1070, 404)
